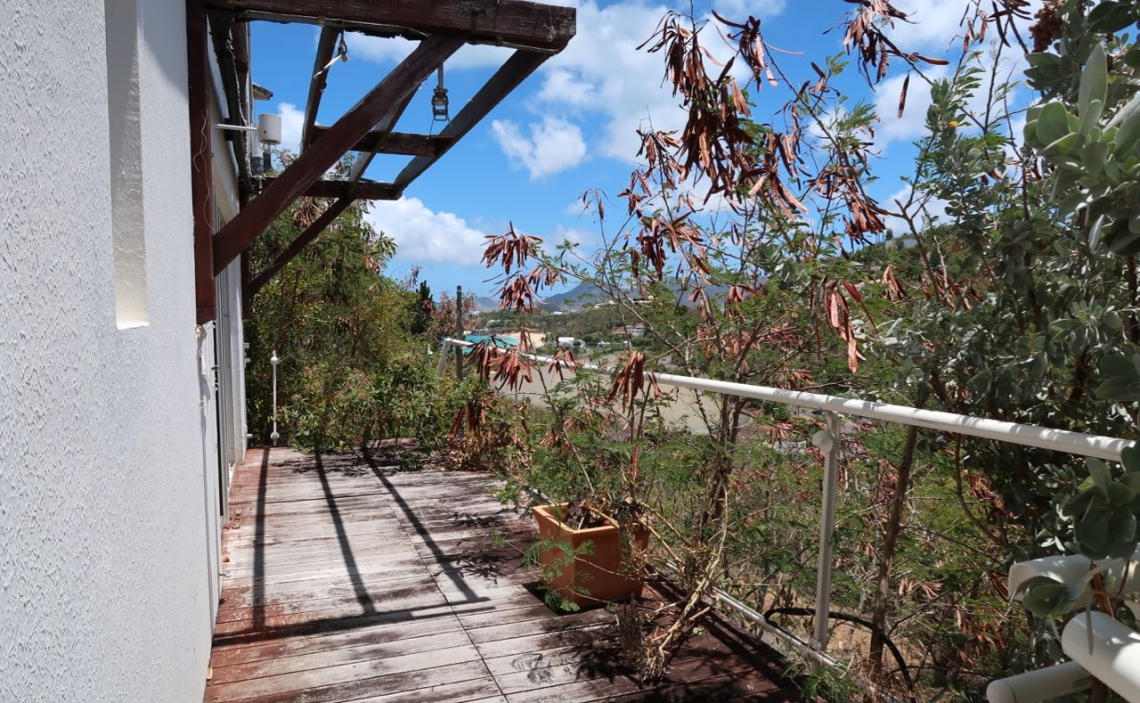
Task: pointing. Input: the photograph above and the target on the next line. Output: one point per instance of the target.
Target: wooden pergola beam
(521, 64)
(399, 143)
(297, 245)
(364, 158)
(513, 22)
(233, 239)
(361, 190)
(201, 166)
(325, 47)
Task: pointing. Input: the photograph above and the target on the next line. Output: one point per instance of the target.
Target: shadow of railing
(455, 577)
(261, 629)
(259, 543)
(362, 595)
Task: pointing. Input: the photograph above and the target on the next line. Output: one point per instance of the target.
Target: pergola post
(201, 158)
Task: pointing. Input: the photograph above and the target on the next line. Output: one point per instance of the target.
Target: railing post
(442, 357)
(829, 443)
(459, 333)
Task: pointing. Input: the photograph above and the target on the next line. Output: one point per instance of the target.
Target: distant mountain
(485, 303)
(585, 295)
(580, 296)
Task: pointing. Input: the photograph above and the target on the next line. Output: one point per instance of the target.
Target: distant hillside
(586, 295)
(484, 303)
(581, 295)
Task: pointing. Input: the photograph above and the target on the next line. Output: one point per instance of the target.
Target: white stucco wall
(104, 592)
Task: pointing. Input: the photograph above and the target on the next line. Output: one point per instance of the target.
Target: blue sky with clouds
(571, 126)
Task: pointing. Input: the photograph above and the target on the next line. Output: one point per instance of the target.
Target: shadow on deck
(347, 582)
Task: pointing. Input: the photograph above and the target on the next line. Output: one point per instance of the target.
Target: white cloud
(573, 235)
(740, 9)
(292, 122)
(912, 124)
(577, 209)
(393, 50)
(936, 30)
(932, 24)
(938, 26)
(424, 236)
(602, 72)
(554, 145)
(923, 210)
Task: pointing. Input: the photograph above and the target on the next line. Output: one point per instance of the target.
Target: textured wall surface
(103, 539)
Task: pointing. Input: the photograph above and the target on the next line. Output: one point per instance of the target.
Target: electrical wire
(855, 619)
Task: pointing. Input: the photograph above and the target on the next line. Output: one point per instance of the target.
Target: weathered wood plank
(397, 143)
(376, 633)
(476, 691)
(530, 24)
(324, 600)
(406, 647)
(435, 577)
(361, 190)
(409, 680)
(326, 44)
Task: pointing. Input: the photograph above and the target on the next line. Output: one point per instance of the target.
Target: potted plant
(588, 558)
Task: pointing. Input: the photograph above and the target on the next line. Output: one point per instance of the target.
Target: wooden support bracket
(361, 190)
(323, 154)
(297, 245)
(399, 143)
(520, 65)
(325, 47)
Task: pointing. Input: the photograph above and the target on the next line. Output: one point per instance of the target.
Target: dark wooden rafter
(362, 190)
(521, 64)
(201, 158)
(323, 154)
(382, 130)
(399, 143)
(303, 240)
(511, 22)
(326, 45)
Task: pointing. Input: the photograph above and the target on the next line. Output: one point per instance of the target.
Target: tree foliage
(1009, 292)
(352, 341)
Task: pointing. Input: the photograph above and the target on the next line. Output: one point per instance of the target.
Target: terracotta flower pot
(599, 574)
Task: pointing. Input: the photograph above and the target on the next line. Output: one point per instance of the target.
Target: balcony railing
(1115, 648)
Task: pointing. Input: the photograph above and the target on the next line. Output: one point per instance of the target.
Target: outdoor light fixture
(275, 435)
(439, 100)
(268, 131)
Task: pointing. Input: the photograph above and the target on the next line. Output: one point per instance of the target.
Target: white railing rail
(828, 441)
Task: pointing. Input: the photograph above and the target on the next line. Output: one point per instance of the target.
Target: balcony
(347, 580)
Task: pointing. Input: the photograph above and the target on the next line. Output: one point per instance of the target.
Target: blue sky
(571, 126)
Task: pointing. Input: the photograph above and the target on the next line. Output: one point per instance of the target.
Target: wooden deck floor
(349, 582)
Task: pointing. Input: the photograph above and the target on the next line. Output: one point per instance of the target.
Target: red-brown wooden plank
(326, 44)
(514, 22)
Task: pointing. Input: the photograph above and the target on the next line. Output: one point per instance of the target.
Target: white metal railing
(828, 441)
